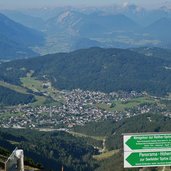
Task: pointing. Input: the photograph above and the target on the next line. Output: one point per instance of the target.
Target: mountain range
(161, 30)
(67, 29)
(92, 24)
(16, 39)
(123, 52)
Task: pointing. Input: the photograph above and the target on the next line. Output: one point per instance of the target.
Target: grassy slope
(98, 138)
(13, 87)
(39, 99)
(105, 155)
(38, 86)
(121, 106)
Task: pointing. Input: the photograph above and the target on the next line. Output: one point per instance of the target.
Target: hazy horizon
(21, 4)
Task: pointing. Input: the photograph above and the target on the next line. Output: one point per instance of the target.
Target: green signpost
(149, 142)
(147, 150)
(142, 159)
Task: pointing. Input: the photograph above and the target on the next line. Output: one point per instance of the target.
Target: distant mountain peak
(67, 15)
(131, 7)
(64, 15)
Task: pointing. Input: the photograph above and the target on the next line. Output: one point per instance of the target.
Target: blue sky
(50, 3)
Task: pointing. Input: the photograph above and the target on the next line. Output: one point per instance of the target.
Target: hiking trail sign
(147, 150)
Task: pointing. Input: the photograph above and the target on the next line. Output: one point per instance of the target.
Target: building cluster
(78, 108)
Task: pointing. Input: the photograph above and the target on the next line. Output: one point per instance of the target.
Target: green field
(98, 138)
(105, 155)
(8, 115)
(39, 86)
(32, 83)
(122, 105)
(39, 99)
(31, 168)
(13, 87)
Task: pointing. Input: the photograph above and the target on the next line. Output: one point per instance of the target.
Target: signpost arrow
(149, 142)
(142, 159)
(133, 159)
(132, 144)
(147, 150)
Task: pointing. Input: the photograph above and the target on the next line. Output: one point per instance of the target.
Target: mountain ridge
(96, 69)
(16, 40)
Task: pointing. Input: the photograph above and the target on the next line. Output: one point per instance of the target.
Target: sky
(14, 4)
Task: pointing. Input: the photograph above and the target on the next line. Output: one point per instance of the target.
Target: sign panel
(147, 150)
(145, 142)
(147, 159)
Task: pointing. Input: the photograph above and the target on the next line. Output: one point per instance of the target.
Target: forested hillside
(114, 130)
(154, 52)
(114, 136)
(50, 150)
(96, 69)
(11, 97)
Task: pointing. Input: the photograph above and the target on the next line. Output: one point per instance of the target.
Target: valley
(65, 29)
(93, 117)
(66, 109)
(90, 96)
(73, 79)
